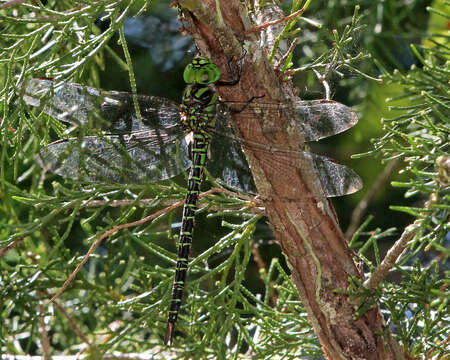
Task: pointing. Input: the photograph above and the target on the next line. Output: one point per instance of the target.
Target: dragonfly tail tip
(168, 338)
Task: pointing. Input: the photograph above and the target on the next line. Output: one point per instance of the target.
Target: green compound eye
(201, 70)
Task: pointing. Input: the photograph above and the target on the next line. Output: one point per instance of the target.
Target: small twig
(362, 206)
(440, 344)
(44, 334)
(275, 22)
(324, 83)
(390, 259)
(137, 223)
(262, 268)
(4, 250)
(75, 327)
(290, 50)
(107, 234)
(11, 3)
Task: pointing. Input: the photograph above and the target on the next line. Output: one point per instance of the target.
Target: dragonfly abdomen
(199, 152)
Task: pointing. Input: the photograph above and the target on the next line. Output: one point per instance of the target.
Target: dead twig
(4, 250)
(262, 269)
(11, 4)
(275, 22)
(390, 259)
(285, 56)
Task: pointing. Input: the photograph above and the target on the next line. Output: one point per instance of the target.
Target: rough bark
(302, 219)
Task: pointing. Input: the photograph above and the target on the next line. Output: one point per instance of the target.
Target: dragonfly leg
(238, 78)
(247, 103)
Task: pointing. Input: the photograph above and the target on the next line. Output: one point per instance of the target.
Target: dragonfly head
(201, 70)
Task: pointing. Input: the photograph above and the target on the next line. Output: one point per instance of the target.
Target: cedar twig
(137, 223)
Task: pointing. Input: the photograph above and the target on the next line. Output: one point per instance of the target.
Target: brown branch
(284, 57)
(4, 250)
(302, 220)
(390, 259)
(44, 333)
(11, 4)
(274, 22)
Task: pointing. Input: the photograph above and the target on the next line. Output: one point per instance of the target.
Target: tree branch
(302, 220)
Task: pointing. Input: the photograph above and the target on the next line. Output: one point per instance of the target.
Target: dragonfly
(141, 139)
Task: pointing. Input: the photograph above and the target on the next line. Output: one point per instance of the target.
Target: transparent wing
(133, 159)
(155, 148)
(110, 111)
(336, 179)
(228, 161)
(319, 119)
(135, 151)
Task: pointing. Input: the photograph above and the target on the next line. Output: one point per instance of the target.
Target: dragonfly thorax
(198, 108)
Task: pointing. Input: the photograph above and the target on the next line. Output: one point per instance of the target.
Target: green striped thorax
(198, 107)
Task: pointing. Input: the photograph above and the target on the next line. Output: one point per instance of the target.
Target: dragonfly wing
(111, 111)
(336, 179)
(227, 160)
(319, 119)
(133, 159)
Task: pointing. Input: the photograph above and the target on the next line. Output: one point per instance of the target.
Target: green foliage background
(233, 305)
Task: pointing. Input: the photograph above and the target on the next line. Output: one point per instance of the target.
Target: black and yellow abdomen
(198, 111)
